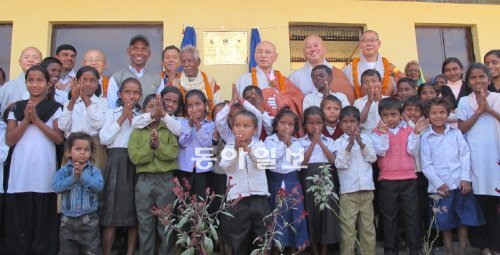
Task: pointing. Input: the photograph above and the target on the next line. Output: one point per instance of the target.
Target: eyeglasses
(91, 81)
(369, 41)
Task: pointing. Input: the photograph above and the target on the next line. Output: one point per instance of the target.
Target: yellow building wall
(394, 21)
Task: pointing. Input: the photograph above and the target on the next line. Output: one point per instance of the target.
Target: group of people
(389, 139)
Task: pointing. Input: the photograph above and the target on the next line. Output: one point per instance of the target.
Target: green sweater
(147, 160)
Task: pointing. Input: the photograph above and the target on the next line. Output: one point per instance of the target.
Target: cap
(139, 37)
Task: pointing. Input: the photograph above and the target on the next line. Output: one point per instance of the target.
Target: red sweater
(397, 164)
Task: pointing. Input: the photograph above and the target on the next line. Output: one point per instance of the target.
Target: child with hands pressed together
(355, 155)
(85, 111)
(30, 201)
(79, 182)
(371, 85)
(195, 139)
(479, 120)
(170, 113)
(331, 107)
(319, 152)
(446, 163)
(116, 201)
(247, 176)
(284, 174)
(154, 151)
(395, 143)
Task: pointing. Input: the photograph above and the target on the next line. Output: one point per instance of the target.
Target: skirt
(290, 213)
(30, 223)
(323, 225)
(117, 198)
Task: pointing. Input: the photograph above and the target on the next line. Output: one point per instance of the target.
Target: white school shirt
(262, 79)
(317, 155)
(315, 98)
(111, 134)
(373, 117)
(355, 167)
(33, 162)
(84, 119)
(172, 122)
(288, 158)
(12, 91)
(302, 78)
(381, 142)
(225, 131)
(113, 87)
(445, 158)
(4, 151)
(243, 171)
(416, 156)
(67, 79)
(484, 147)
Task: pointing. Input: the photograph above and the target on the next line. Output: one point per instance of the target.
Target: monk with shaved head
(13, 90)
(314, 52)
(96, 59)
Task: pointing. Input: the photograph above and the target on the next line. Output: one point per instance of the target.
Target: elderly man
(96, 59)
(193, 78)
(277, 90)
(369, 45)
(13, 90)
(66, 53)
(139, 53)
(314, 52)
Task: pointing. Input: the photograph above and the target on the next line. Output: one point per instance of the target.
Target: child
(30, 202)
(54, 67)
(395, 143)
(331, 107)
(78, 182)
(218, 178)
(406, 88)
(321, 76)
(413, 110)
(154, 151)
(194, 140)
(253, 95)
(226, 114)
(492, 61)
(170, 112)
(453, 69)
(478, 119)
(427, 92)
(285, 175)
(319, 152)
(446, 164)
(368, 105)
(250, 184)
(116, 201)
(355, 156)
(4, 151)
(85, 111)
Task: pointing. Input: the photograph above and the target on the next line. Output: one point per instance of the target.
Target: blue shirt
(79, 197)
(194, 147)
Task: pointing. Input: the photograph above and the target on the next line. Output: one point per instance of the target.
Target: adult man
(314, 52)
(13, 90)
(193, 78)
(171, 61)
(139, 53)
(369, 45)
(97, 59)
(66, 53)
(277, 90)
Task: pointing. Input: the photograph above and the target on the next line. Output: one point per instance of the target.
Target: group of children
(119, 163)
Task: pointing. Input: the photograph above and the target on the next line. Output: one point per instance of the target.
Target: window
(341, 42)
(113, 40)
(5, 45)
(435, 44)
